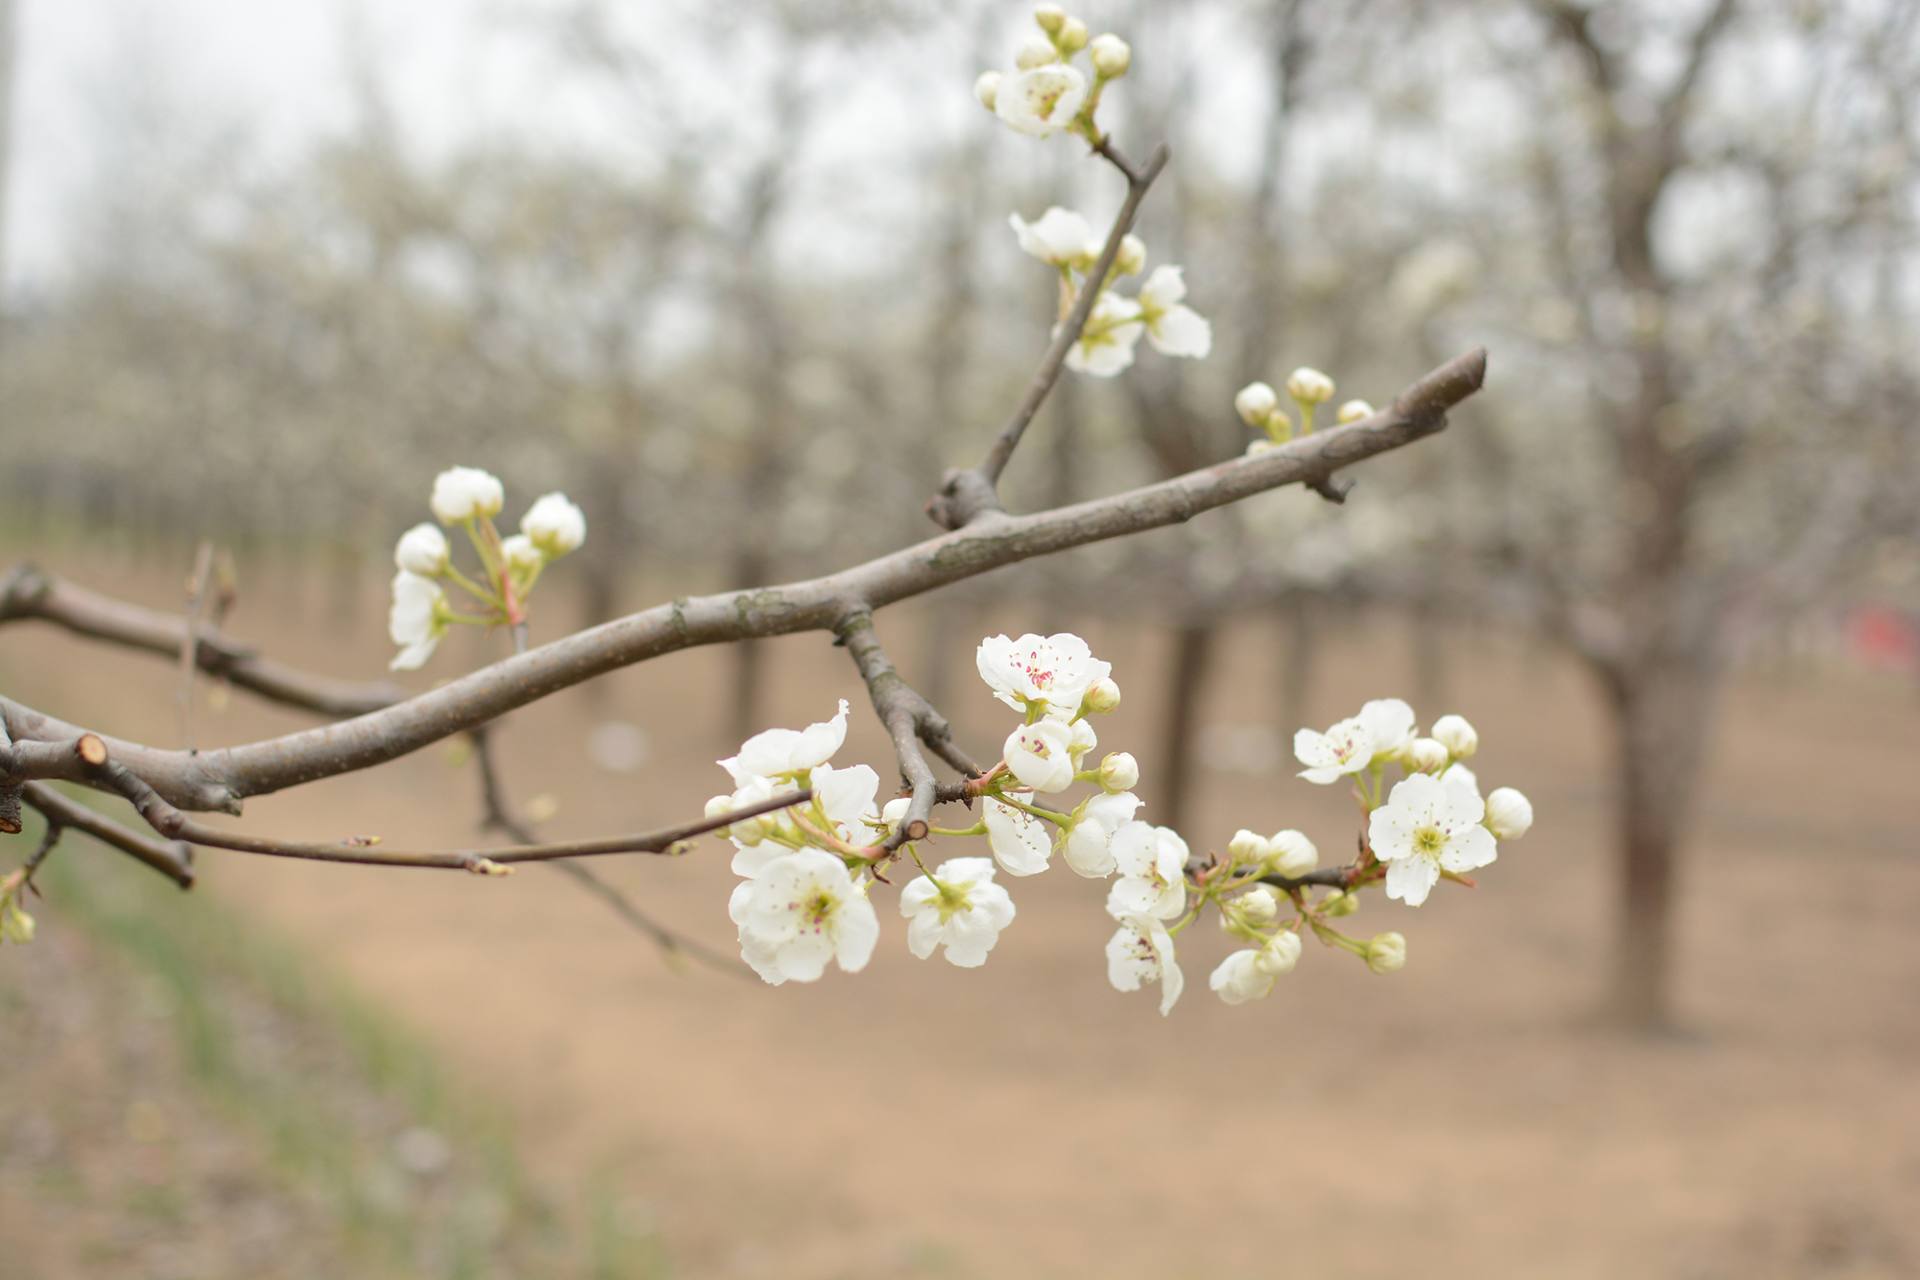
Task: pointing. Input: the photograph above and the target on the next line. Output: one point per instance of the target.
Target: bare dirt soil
(1462, 1118)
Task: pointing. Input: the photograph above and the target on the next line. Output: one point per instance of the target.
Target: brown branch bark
(171, 858)
(221, 779)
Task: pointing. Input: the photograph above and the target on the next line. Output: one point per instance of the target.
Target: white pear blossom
(1174, 328)
(847, 797)
(1255, 403)
(802, 911)
(1111, 56)
(521, 555)
(1058, 670)
(1035, 52)
(1021, 843)
(1081, 739)
(1509, 813)
(1051, 17)
(1041, 755)
(1250, 975)
(1060, 238)
(752, 847)
(1089, 845)
(1428, 826)
(1119, 771)
(1353, 411)
(893, 813)
(1389, 723)
(1387, 953)
(416, 619)
(422, 550)
(1073, 36)
(1293, 855)
(555, 525)
(1040, 100)
(1141, 951)
(1132, 258)
(466, 493)
(987, 88)
(1457, 736)
(1247, 846)
(1106, 344)
(1152, 862)
(1102, 696)
(959, 907)
(1382, 730)
(1258, 905)
(1428, 755)
(785, 752)
(1309, 386)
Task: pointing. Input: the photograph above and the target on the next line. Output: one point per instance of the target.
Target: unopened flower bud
(1258, 905)
(1428, 755)
(987, 89)
(1102, 696)
(719, 805)
(1309, 386)
(1073, 36)
(1339, 903)
(895, 812)
(1387, 953)
(1120, 772)
(1247, 846)
(1035, 53)
(1051, 18)
(1292, 853)
(1353, 411)
(1457, 736)
(1132, 258)
(1509, 814)
(15, 924)
(1255, 404)
(1111, 56)
(1081, 739)
(522, 556)
(555, 525)
(1258, 447)
(1279, 955)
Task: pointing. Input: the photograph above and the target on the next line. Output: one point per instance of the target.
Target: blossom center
(1429, 841)
(816, 909)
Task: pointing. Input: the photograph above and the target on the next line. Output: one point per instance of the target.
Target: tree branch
(171, 858)
(220, 779)
(966, 495)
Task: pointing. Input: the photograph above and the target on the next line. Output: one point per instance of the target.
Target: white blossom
(1428, 755)
(1353, 411)
(1102, 696)
(1060, 238)
(1428, 826)
(1258, 905)
(1021, 843)
(422, 550)
(752, 848)
(521, 555)
(1119, 771)
(1089, 845)
(1132, 258)
(1457, 736)
(1111, 56)
(1041, 100)
(1080, 740)
(1309, 386)
(800, 912)
(1152, 862)
(554, 525)
(1250, 975)
(1058, 670)
(1247, 846)
(1292, 853)
(785, 752)
(1383, 729)
(959, 907)
(846, 796)
(986, 88)
(1041, 755)
(1509, 813)
(1255, 403)
(1073, 36)
(1106, 344)
(1141, 951)
(1051, 17)
(1035, 52)
(1174, 328)
(416, 619)
(466, 493)
(1387, 953)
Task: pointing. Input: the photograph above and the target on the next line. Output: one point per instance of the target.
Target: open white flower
(1152, 862)
(847, 798)
(466, 493)
(1089, 846)
(1040, 100)
(1382, 730)
(1041, 755)
(422, 550)
(1174, 328)
(1021, 843)
(802, 911)
(1060, 238)
(1428, 826)
(1058, 670)
(959, 907)
(1106, 344)
(416, 619)
(1141, 951)
(554, 525)
(1250, 975)
(752, 850)
(785, 752)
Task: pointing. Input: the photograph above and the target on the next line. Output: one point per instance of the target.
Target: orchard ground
(1462, 1118)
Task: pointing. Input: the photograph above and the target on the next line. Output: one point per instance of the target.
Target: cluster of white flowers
(1046, 93)
(471, 498)
(1259, 407)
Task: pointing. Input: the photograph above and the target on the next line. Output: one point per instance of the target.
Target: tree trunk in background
(605, 557)
(1428, 641)
(1193, 647)
(1298, 647)
(749, 656)
(1660, 719)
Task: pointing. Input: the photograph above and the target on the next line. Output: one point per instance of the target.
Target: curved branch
(171, 858)
(220, 779)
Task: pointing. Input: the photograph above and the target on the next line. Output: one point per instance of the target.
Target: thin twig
(171, 858)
